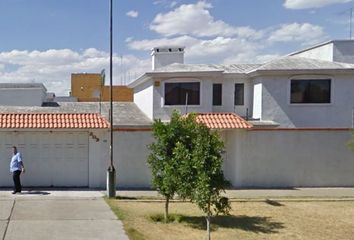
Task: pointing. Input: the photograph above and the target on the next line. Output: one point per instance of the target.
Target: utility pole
(111, 171)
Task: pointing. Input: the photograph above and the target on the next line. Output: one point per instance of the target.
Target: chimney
(163, 56)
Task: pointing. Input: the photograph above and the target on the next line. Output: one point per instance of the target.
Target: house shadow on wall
(256, 224)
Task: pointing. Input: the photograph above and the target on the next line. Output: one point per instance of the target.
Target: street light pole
(111, 172)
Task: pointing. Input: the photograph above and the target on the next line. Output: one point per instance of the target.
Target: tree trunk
(208, 227)
(166, 209)
(208, 223)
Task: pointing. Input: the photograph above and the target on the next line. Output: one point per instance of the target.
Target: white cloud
(304, 4)
(129, 39)
(166, 3)
(213, 50)
(148, 44)
(54, 67)
(173, 4)
(304, 33)
(133, 14)
(208, 40)
(237, 49)
(49, 57)
(196, 20)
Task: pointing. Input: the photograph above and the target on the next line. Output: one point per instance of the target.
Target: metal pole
(111, 172)
(111, 74)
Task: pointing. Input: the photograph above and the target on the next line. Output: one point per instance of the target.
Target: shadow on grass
(274, 203)
(254, 224)
(134, 234)
(126, 198)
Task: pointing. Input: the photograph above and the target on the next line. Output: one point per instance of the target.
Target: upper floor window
(180, 93)
(310, 91)
(217, 94)
(239, 94)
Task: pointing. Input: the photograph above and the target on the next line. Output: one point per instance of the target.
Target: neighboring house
(90, 87)
(29, 94)
(300, 107)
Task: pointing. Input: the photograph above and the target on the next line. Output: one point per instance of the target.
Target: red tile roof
(223, 121)
(53, 120)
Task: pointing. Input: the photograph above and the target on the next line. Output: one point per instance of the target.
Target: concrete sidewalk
(57, 215)
(332, 193)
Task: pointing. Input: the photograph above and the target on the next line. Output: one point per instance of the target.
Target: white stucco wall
(343, 51)
(130, 159)
(337, 51)
(143, 98)
(206, 96)
(257, 100)
(289, 159)
(276, 103)
(324, 52)
(130, 154)
(98, 158)
(228, 92)
(164, 112)
(22, 96)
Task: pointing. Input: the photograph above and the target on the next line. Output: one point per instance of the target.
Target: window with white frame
(182, 93)
(310, 91)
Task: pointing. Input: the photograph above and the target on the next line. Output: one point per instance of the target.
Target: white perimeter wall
(286, 158)
(262, 158)
(131, 154)
(130, 159)
(98, 158)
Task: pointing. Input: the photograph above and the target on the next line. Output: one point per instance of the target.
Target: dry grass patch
(248, 220)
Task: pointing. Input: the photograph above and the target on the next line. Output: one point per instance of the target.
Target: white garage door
(58, 159)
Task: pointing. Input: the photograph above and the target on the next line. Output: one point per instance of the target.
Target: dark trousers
(17, 181)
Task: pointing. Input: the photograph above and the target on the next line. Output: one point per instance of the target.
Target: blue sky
(45, 41)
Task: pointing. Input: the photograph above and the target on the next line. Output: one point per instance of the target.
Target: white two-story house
(311, 88)
(300, 107)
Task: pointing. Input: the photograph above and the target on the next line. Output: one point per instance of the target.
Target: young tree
(165, 157)
(186, 160)
(209, 181)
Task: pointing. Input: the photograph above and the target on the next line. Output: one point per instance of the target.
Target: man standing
(16, 167)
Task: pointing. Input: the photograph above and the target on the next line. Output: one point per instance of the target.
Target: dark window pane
(177, 93)
(239, 94)
(217, 94)
(311, 91)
